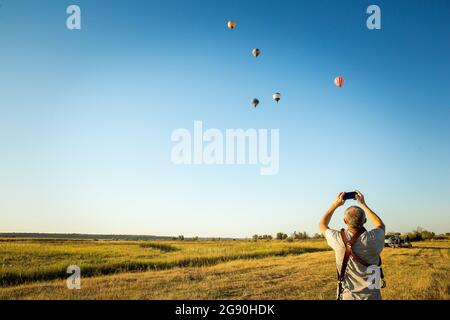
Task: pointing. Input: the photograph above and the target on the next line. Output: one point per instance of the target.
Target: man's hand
(360, 198)
(339, 201)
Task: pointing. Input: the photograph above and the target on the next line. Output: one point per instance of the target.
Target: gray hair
(355, 217)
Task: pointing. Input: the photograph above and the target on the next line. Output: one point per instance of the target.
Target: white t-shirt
(368, 247)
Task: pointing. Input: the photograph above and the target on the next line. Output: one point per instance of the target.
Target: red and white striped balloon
(339, 81)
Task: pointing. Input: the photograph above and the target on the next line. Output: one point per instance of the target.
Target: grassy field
(36, 269)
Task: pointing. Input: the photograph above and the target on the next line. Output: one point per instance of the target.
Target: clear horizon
(86, 115)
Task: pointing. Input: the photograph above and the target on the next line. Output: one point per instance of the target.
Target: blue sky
(86, 116)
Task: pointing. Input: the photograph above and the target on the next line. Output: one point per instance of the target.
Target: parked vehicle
(395, 241)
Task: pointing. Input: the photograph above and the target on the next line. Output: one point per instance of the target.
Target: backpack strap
(350, 253)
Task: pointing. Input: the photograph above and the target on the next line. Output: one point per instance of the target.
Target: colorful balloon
(339, 81)
(256, 52)
(255, 102)
(231, 24)
(277, 96)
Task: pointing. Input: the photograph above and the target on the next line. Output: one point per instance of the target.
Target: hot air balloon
(255, 102)
(231, 24)
(256, 52)
(339, 81)
(277, 96)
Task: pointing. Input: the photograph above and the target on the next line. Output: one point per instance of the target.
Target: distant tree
(281, 236)
(419, 234)
(289, 239)
(318, 236)
(427, 235)
(390, 234)
(255, 237)
(181, 237)
(413, 236)
(300, 235)
(195, 238)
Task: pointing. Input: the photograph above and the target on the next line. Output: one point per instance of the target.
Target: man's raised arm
(374, 218)
(325, 221)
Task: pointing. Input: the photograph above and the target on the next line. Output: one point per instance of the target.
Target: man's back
(368, 247)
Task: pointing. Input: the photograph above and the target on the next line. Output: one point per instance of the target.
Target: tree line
(283, 236)
(420, 234)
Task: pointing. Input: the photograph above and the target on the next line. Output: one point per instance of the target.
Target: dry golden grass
(28, 260)
(419, 273)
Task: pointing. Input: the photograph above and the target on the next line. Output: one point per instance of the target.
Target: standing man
(357, 250)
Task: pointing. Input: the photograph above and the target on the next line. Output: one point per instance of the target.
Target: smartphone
(350, 196)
